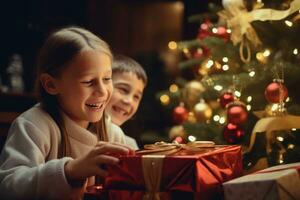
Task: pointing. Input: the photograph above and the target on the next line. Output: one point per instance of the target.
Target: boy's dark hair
(123, 64)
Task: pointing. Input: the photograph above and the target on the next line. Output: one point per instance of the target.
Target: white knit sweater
(29, 164)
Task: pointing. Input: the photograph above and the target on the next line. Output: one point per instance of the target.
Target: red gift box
(201, 172)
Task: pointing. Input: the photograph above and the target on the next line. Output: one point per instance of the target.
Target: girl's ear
(49, 84)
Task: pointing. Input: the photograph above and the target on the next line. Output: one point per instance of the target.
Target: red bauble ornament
(233, 133)
(276, 92)
(226, 98)
(179, 140)
(237, 113)
(180, 114)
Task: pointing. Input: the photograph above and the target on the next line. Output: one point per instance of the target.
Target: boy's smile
(128, 91)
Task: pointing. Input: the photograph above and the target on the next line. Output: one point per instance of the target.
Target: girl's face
(128, 92)
(85, 87)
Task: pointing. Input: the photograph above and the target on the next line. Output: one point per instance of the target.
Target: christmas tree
(238, 82)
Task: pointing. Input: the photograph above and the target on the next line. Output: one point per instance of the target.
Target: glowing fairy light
(216, 118)
(185, 50)
(173, 88)
(172, 45)
(237, 94)
(287, 99)
(225, 67)
(249, 98)
(288, 23)
(222, 120)
(294, 129)
(280, 139)
(218, 87)
(192, 138)
(291, 146)
(295, 51)
(225, 59)
(266, 53)
(252, 73)
(209, 64)
(164, 99)
(248, 107)
(228, 30)
(214, 30)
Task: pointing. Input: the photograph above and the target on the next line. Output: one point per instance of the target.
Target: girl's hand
(90, 164)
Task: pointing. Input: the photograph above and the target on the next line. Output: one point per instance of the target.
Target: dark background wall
(137, 28)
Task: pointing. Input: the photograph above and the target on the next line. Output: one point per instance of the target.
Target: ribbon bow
(164, 148)
(239, 20)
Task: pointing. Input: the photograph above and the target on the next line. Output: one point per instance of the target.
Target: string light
(291, 146)
(192, 138)
(237, 94)
(218, 87)
(209, 63)
(249, 98)
(216, 118)
(172, 45)
(288, 23)
(225, 59)
(266, 53)
(185, 50)
(279, 138)
(164, 99)
(295, 51)
(225, 67)
(287, 99)
(214, 30)
(222, 120)
(294, 129)
(248, 107)
(228, 30)
(173, 88)
(252, 73)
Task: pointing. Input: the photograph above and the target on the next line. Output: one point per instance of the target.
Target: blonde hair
(60, 48)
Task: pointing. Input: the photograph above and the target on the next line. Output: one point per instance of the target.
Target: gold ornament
(191, 118)
(202, 111)
(176, 131)
(192, 93)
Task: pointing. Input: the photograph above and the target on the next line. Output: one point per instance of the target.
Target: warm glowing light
(294, 129)
(228, 30)
(225, 59)
(164, 99)
(288, 23)
(287, 99)
(237, 94)
(173, 88)
(279, 138)
(252, 73)
(216, 118)
(248, 107)
(209, 63)
(218, 87)
(172, 45)
(266, 53)
(225, 67)
(214, 30)
(295, 51)
(291, 146)
(222, 120)
(185, 50)
(249, 98)
(192, 138)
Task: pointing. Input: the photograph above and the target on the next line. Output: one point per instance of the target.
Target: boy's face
(126, 97)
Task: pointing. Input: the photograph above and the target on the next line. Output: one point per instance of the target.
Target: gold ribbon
(152, 162)
(270, 124)
(239, 21)
(163, 148)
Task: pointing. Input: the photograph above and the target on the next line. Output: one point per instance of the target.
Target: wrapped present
(197, 167)
(279, 182)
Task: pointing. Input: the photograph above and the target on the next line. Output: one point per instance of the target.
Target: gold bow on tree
(239, 21)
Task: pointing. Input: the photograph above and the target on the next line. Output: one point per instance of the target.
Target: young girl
(53, 148)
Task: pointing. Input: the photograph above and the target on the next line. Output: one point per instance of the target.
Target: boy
(129, 81)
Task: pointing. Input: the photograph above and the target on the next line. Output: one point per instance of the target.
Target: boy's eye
(87, 82)
(137, 97)
(123, 90)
